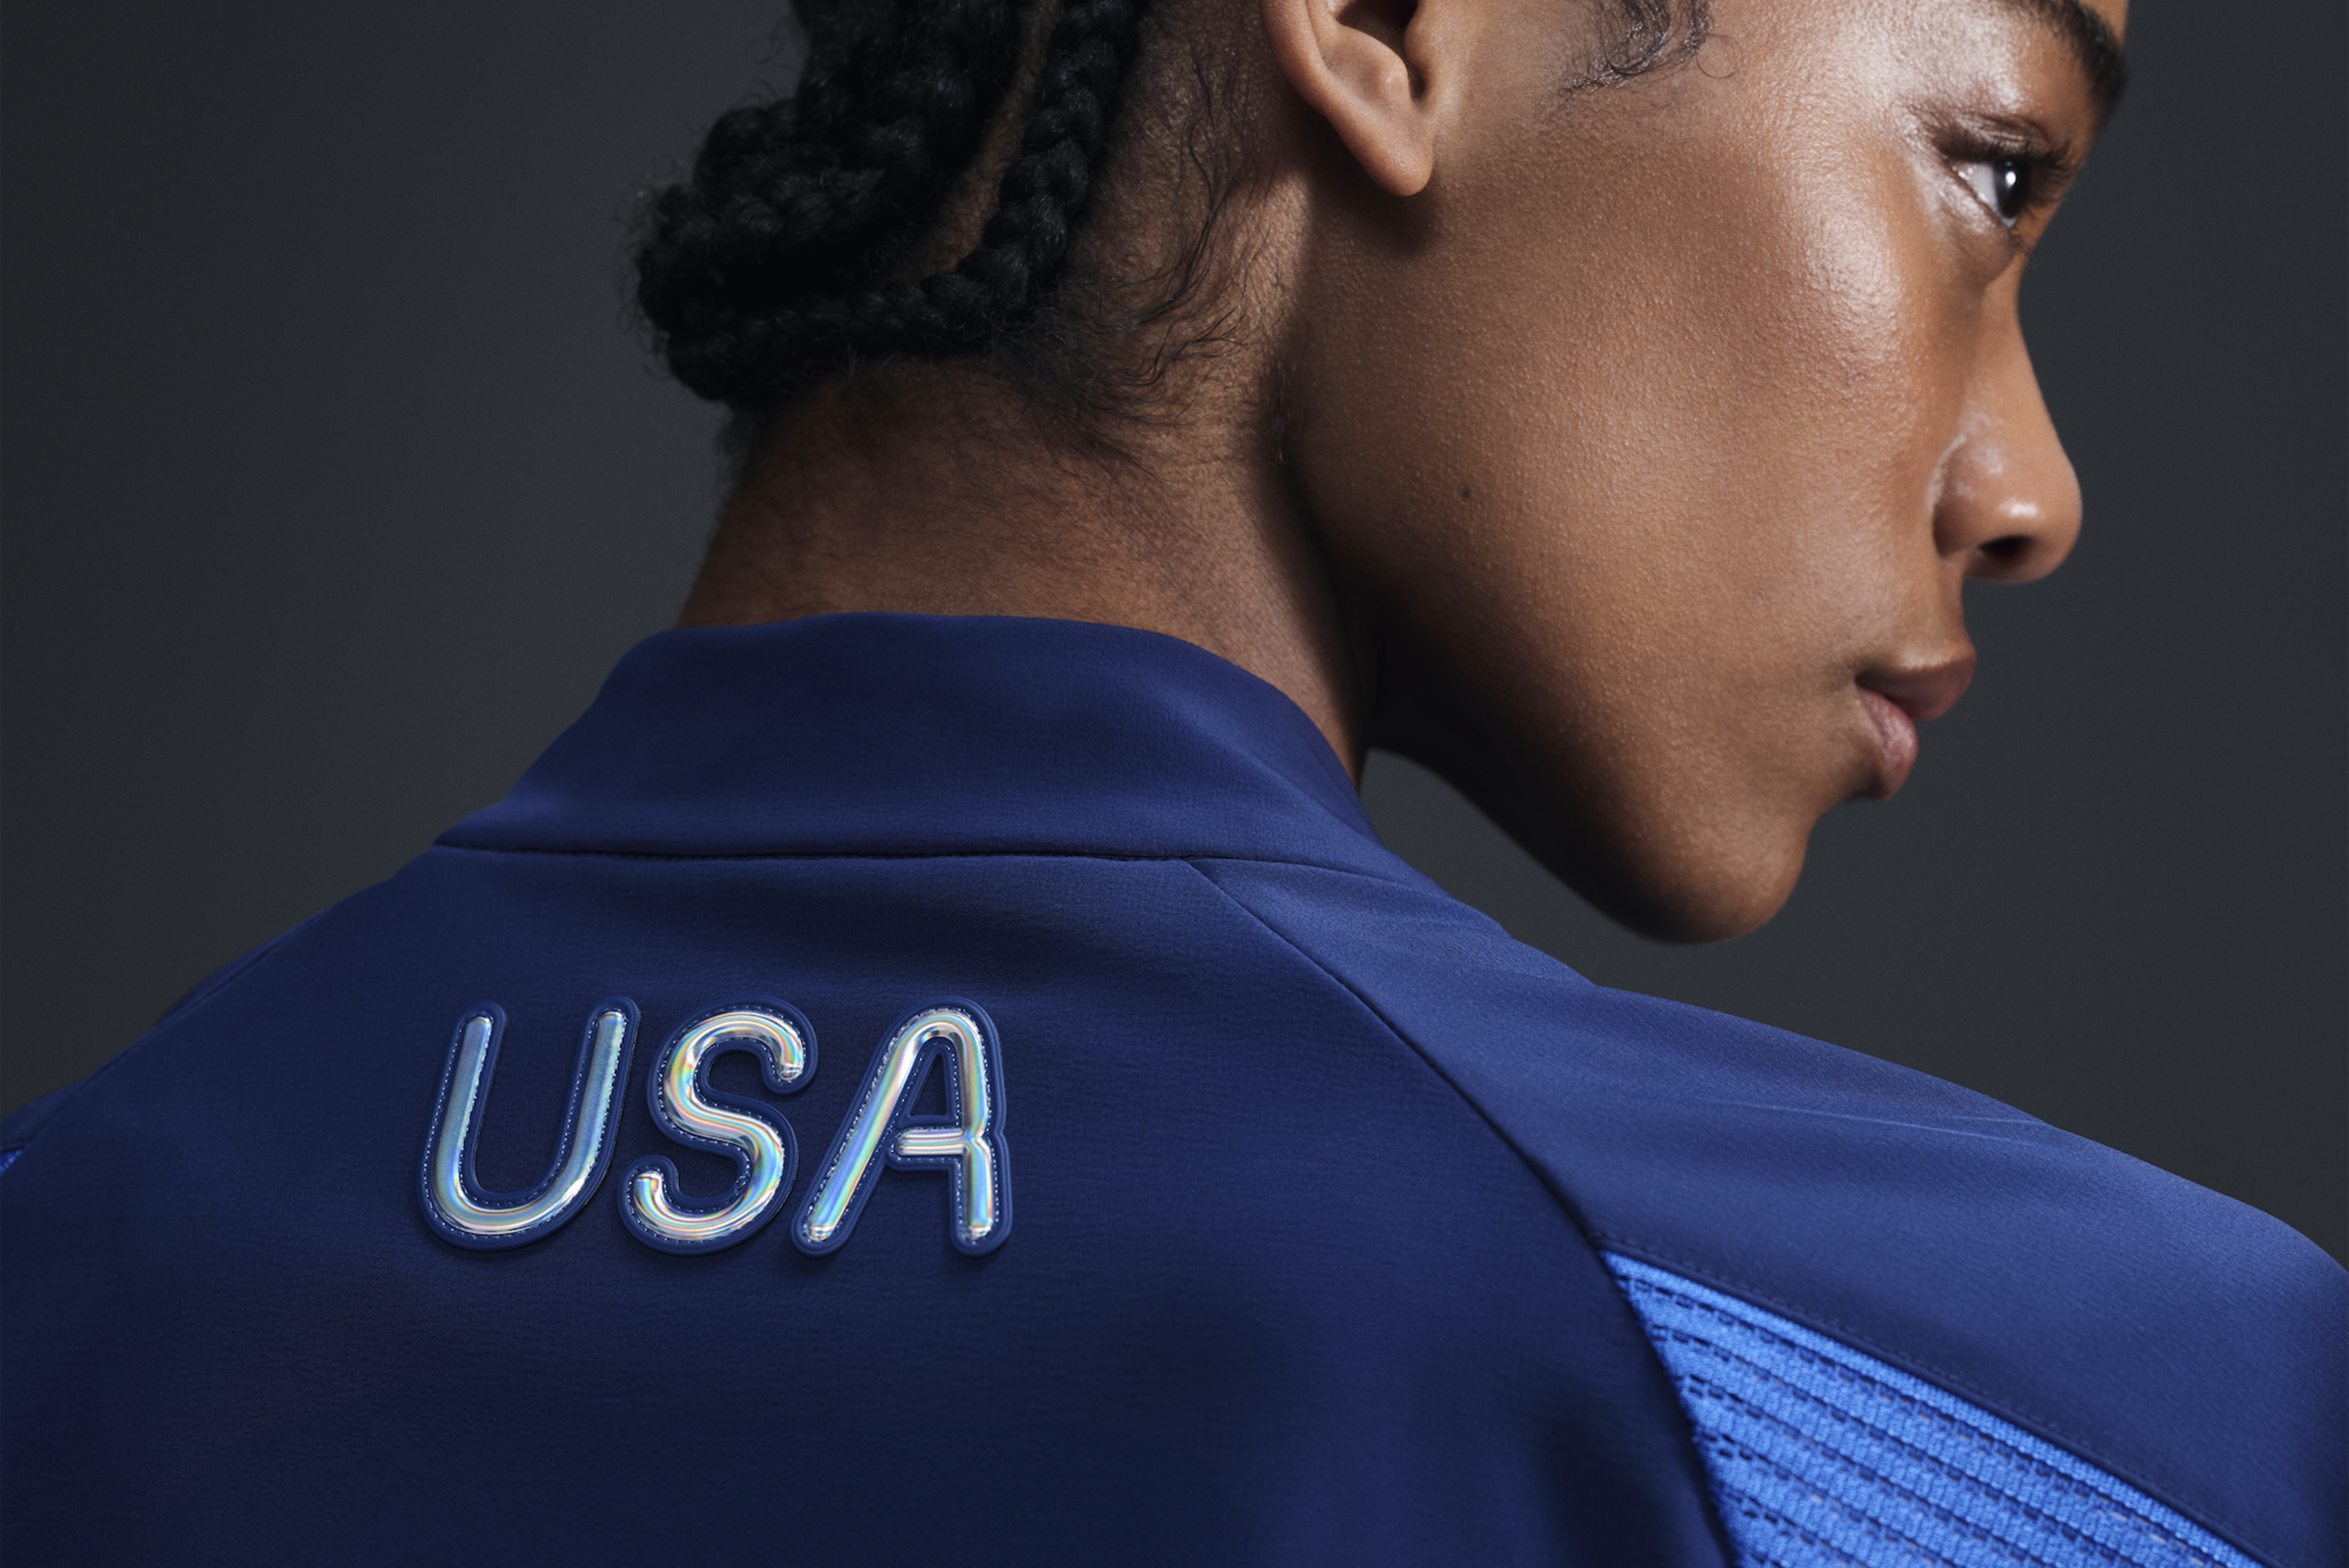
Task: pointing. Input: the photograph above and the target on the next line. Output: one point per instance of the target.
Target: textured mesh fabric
(1819, 1455)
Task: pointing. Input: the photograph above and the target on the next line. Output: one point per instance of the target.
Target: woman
(1140, 417)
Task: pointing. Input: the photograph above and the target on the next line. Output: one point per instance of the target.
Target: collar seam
(1185, 857)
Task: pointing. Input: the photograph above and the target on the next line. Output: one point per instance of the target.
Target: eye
(2007, 186)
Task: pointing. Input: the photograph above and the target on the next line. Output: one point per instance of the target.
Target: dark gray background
(334, 479)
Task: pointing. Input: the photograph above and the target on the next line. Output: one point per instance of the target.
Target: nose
(2008, 507)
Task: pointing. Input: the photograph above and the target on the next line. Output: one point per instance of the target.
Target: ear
(1370, 68)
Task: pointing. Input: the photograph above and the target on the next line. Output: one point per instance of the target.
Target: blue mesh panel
(1819, 1455)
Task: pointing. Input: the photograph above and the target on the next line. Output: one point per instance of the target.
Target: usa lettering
(881, 1132)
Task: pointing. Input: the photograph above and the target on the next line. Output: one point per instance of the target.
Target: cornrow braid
(771, 263)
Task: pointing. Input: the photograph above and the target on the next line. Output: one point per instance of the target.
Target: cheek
(1651, 476)
(1709, 450)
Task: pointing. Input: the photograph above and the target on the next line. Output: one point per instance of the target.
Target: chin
(1672, 864)
(1706, 892)
(1678, 918)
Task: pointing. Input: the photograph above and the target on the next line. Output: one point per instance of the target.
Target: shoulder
(2184, 1344)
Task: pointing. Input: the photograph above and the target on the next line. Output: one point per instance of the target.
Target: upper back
(1332, 1226)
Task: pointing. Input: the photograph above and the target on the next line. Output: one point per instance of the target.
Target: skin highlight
(1620, 452)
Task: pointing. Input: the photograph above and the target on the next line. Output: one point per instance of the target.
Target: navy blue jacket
(1045, 1126)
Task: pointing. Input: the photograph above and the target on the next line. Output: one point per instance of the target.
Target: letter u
(454, 1203)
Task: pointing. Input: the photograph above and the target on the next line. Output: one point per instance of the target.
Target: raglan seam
(1567, 1210)
(188, 1006)
(1565, 1204)
(2046, 1429)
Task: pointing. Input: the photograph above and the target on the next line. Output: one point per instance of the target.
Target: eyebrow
(2093, 44)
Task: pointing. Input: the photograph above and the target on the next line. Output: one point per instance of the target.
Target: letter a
(966, 1143)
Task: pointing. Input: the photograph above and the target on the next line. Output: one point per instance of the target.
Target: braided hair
(792, 248)
(779, 257)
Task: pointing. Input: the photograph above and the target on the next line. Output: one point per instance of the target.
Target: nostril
(2007, 553)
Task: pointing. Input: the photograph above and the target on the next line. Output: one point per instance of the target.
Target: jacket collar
(899, 734)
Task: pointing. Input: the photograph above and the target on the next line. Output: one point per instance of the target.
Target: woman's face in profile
(1662, 446)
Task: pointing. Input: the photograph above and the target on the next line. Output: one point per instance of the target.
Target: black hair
(786, 253)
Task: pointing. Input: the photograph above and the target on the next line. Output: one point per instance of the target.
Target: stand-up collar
(898, 734)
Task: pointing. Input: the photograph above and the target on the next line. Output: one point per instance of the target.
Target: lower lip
(1895, 741)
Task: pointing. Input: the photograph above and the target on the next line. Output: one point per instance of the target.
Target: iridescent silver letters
(453, 1200)
(760, 1143)
(967, 1144)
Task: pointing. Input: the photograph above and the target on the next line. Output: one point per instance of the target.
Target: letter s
(759, 1142)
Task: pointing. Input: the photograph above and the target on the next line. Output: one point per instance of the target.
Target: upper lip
(1923, 693)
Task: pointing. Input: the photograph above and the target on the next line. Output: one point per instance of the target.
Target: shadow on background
(334, 479)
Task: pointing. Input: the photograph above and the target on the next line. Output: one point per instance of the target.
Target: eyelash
(2044, 170)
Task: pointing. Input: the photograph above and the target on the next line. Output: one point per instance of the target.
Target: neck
(932, 494)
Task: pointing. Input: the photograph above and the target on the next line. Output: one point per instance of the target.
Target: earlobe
(1354, 61)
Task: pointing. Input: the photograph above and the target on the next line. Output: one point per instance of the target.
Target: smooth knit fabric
(1335, 1226)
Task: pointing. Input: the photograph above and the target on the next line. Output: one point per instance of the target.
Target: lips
(1896, 701)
